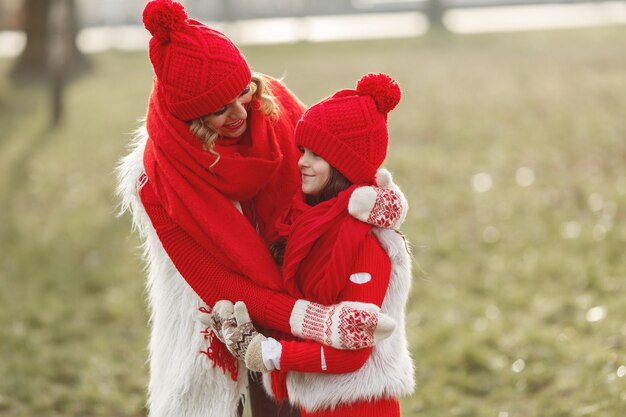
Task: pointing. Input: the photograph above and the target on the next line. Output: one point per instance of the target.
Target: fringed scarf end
(218, 353)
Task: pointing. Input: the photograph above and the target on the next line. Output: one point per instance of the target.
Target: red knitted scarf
(260, 168)
(322, 242)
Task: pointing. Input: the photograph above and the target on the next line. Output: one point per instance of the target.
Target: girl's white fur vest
(183, 382)
(389, 371)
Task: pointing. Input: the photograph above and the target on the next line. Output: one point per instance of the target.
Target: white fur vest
(183, 382)
(389, 371)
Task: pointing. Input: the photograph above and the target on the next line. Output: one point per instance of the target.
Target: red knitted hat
(349, 128)
(198, 69)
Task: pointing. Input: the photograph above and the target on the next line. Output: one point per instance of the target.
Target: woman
(331, 257)
(206, 208)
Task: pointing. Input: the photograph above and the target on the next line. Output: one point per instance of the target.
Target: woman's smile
(234, 125)
(230, 120)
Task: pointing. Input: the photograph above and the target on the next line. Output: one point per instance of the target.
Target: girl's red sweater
(368, 281)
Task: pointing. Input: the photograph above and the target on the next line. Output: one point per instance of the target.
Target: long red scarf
(322, 243)
(261, 168)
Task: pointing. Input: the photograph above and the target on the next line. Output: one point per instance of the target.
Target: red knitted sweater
(308, 356)
(209, 278)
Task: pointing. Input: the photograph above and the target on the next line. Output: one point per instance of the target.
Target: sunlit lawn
(510, 148)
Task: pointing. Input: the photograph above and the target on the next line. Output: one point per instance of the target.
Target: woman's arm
(212, 281)
(209, 278)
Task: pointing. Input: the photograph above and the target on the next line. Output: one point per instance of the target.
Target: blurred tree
(35, 60)
(229, 11)
(435, 9)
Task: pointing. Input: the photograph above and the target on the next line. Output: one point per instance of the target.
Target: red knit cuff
(278, 311)
(298, 356)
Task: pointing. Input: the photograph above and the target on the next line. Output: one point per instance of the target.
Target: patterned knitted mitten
(384, 206)
(239, 333)
(222, 310)
(346, 325)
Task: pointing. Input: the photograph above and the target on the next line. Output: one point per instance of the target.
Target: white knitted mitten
(254, 354)
(383, 206)
(347, 325)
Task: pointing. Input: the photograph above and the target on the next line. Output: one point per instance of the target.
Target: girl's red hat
(349, 128)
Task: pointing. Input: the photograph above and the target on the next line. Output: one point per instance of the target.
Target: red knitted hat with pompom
(349, 128)
(198, 69)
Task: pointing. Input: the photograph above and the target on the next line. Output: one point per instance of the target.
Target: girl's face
(230, 121)
(315, 172)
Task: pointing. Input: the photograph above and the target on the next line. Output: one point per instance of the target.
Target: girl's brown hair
(335, 184)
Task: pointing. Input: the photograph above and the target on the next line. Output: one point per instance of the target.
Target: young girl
(332, 257)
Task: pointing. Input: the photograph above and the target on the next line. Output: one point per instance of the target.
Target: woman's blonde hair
(201, 129)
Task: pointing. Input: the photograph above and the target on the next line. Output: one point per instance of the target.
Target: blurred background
(510, 144)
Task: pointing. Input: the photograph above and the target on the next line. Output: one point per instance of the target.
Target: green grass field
(511, 150)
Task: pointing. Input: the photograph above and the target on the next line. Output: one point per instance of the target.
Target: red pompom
(162, 17)
(382, 88)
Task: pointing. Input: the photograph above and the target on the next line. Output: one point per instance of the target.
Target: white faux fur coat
(389, 371)
(183, 382)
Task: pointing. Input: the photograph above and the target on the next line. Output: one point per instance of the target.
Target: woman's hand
(384, 206)
(346, 325)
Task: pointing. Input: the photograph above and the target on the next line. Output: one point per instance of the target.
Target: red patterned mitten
(384, 206)
(347, 325)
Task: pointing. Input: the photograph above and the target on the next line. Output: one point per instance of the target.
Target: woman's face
(315, 172)
(230, 121)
